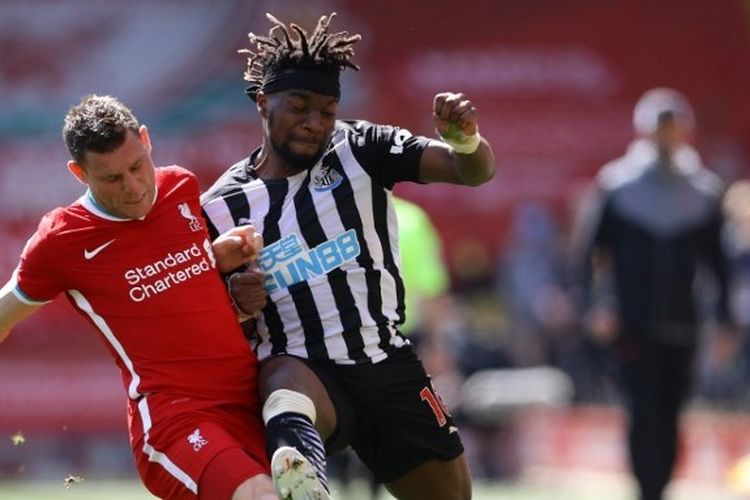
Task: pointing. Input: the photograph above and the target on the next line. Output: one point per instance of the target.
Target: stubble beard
(295, 161)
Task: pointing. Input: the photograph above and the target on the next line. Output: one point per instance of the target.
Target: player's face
(672, 135)
(299, 124)
(122, 181)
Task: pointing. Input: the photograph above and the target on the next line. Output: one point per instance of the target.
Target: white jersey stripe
(85, 306)
(389, 290)
(257, 192)
(219, 214)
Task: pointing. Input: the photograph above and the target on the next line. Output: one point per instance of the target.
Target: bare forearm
(476, 168)
(441, 163)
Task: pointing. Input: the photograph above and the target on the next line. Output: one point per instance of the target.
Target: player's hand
(246, 289)
(237, 247)
(455, 116)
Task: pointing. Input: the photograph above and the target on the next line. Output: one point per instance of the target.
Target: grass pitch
(542, 485)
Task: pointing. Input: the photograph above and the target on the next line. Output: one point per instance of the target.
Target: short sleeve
(36, 280)
(389, 154)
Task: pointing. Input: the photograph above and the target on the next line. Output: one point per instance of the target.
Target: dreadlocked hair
(290, 46)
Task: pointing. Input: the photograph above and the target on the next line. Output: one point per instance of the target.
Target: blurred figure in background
(727, 369)
(724, 371)
(532, 276)
(655, 218)
(425, 274)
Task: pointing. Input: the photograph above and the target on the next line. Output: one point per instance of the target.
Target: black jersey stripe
(347, 209)
(239, 207)
(213, 233)
(310, 318)
(313, 233)
(351, 320)
(277, 191)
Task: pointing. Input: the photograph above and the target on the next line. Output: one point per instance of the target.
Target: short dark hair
(99, 124)
(320, 51)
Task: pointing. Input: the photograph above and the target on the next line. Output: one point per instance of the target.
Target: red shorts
(174, 440)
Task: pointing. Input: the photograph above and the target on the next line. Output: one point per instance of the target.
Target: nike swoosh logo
(88, 255)
(452, 429)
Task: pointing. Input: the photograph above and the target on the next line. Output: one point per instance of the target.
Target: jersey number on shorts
(436, 405)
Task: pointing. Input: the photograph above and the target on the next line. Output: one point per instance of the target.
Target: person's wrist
(465, 144)
(242, 316)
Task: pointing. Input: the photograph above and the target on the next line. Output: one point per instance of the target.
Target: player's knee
(232, 473)
(464, 490)
(257, 487)
(460, 489)
(286, 401)
(318, 408)
(458, 484)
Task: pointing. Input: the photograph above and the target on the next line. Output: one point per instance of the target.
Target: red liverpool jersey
(150, 288)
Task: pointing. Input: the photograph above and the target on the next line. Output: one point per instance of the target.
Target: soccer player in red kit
(133, 256)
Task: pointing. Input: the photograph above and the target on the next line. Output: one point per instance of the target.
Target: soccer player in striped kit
(133, 256)
(335, 370)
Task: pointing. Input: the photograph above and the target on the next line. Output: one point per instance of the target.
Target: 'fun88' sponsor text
(286, 263)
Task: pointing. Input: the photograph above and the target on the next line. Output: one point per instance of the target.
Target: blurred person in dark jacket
(725, 363)
(654, 220)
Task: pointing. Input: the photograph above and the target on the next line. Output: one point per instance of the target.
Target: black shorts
(389, 414)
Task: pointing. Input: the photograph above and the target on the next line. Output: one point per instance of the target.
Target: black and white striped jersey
(331, 255)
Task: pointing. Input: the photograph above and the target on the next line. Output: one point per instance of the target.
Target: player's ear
(261, 100)
(145, 139)
(78, 171)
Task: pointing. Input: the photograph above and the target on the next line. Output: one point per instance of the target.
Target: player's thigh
(288, 372)
(175, 455)
(435, 479)
(402, 423)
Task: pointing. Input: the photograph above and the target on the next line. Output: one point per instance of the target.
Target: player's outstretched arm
(12, 310)
(463, 156)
